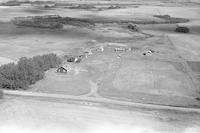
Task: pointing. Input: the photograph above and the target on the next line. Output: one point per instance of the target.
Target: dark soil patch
(195, 66)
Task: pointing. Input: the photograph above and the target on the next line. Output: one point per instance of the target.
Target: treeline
(1, 94)
(26, 71)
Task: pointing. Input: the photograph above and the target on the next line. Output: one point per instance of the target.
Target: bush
(27, 71)
(70, 59)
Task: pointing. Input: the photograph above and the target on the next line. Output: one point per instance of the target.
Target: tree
(1, 94)
(27, 71)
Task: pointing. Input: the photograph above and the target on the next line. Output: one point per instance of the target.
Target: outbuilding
(63, 69)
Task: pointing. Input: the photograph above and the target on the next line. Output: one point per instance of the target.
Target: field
(118, 75)
(61, 117)
(154, 67)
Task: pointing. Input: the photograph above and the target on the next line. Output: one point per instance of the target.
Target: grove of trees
(1, 94)
(26, 71)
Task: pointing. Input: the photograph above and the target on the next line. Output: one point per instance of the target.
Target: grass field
(146, 81)
(124, 75)
(150, 82)
(70, 84)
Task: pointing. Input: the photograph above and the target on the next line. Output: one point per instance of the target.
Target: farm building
(82, 56)
(73, 59)
(88, 52)
(63, 69)
(149, 52)
(119, 49)
(100, 49)
(77, 60)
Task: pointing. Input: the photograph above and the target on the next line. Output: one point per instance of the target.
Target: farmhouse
(119, 49)
(122, 49)
(63, 69)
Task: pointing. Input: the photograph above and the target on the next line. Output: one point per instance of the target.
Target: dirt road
(99, 100)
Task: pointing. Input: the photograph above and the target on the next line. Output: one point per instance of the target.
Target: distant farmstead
(182, 29)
